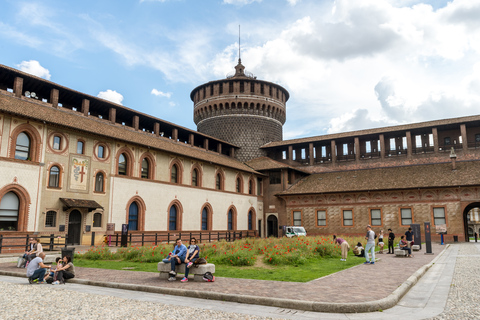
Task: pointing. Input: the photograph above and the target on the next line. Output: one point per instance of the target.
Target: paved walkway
(357, 285)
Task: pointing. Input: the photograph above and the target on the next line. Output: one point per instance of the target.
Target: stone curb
(356, 307)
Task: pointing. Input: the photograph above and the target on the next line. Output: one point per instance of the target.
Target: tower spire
(239, 58)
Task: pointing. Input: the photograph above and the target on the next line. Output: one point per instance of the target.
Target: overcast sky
(348, 64)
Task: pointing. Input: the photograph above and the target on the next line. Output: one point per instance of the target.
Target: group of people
(182, 254)
(406, 242)
(39, 272)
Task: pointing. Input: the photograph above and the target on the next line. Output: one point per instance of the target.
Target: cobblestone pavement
(358, 284)
(463, 299)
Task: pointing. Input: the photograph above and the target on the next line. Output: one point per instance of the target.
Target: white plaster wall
(158, 197)
(27, 176)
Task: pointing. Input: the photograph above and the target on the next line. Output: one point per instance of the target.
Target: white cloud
(111, 95)
(371, 63)
(161, 94)
(34, 67)
(240, 2)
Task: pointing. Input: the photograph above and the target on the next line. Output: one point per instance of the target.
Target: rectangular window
(230, 87)
(368, 147)
(297, 218)
(284, 155)
(259, 186)
(418, 141)
(345, 149)
(242, 86)
(375, 217)
(406, 216)
(304, 154)
(439, 216)
(347, 217)
(392, 144)
(211, 90)
(252, 87)
(321, 217)
(80, 147)
(378, 146)
(324, 151)
(220, 88)
(262, 90)
(56, 142)
(275, 177)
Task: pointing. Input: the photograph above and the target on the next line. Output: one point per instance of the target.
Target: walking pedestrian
(370, 246)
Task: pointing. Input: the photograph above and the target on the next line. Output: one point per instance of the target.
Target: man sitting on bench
(178, 257)
(404, 246)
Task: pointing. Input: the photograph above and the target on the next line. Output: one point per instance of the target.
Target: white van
(291, 231)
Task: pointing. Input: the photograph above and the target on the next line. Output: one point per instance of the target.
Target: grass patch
(116, 265)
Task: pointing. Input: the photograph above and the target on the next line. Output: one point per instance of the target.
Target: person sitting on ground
(51, 276)
(359, 251)
(67, 271)
(343, 245)
(404, 246)
(36, 269)
(178, 257)
(192, 255)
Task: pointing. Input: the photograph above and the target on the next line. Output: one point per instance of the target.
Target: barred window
(97, 220)
(51, 219)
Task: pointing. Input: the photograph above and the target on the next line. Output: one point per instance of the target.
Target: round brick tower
(241, 110)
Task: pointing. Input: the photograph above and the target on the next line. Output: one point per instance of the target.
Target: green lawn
(311, 270)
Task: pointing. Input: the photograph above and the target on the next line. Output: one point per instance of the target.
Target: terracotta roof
(42, 111)
(80, 203)
(359, 133)
(265, 163)
(407, 177)
(103, 102)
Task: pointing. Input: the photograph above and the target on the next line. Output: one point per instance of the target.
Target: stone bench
(197, 272)
(401, 253)
(415, 247)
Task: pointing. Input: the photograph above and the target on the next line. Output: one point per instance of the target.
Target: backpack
(209, 277)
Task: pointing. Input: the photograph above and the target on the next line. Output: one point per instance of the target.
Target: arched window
(250, 220)
(205, 219)
(133, 217)
(22, 149)
(145, 168)
(238, 185)
(172, 221)
(54, 177)
(251, 186)
(174, 174)
(195, 177)
(230, 220)
(122, 165)
(97, 220)
(51, 219)
(219, 181)
(9, 208)
(99, 182)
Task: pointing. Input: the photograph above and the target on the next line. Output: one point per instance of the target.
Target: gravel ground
(463, 299)
(45, 301)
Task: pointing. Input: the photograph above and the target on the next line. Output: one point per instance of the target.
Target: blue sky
(347, 64)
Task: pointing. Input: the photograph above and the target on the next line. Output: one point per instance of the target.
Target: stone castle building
(70, 163)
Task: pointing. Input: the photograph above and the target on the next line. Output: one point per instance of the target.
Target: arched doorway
(74, 227)
(272, 226)
(471, 220)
